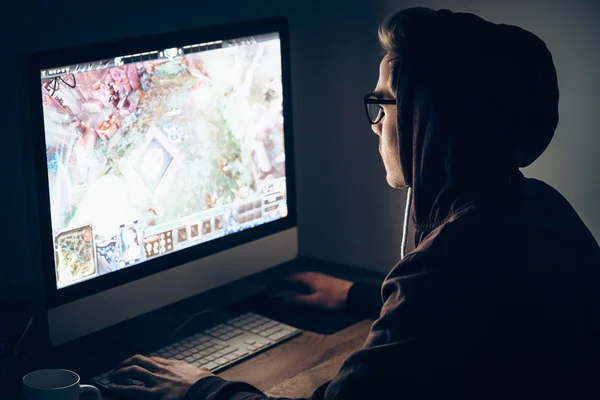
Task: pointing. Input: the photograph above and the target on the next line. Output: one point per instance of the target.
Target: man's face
(387, 129)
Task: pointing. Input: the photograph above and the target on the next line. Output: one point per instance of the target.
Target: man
(499, 298)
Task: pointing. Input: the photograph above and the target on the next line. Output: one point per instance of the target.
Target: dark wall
(346, 211)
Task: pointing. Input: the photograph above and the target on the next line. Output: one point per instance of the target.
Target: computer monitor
(164, 168)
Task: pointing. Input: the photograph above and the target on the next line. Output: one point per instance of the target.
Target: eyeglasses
(374, 109)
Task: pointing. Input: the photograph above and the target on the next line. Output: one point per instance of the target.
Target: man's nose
(376, 128)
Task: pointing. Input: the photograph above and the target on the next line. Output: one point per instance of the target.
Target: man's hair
(389, 44)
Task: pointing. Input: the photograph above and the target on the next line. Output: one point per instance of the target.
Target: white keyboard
(222, 345)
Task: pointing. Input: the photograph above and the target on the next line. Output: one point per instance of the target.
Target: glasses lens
(374, 111)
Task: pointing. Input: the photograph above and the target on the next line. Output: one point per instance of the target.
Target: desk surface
(297, 367)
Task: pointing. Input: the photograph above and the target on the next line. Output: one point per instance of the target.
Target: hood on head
(476, 102)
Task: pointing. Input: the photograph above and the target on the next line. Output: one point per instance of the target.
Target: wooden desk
(297, 367)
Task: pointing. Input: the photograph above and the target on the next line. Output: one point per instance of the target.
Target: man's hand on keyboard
(163, 379)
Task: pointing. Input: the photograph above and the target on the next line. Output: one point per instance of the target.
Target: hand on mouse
(322, 291)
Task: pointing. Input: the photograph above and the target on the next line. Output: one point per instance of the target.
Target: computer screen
(155, 152)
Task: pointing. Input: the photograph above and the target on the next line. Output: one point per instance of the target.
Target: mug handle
(90, 388)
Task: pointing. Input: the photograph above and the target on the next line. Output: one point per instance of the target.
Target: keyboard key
(241, 352)
(210, 358)
(252, 348)
(267, 332)
(250, 342)
(211, 365)
(218, 354)
(228, 350)
(277, 336)
(231, 357)
(179, 357)
(199, 361)
(190, 359)
(221, 361)
(219, 347)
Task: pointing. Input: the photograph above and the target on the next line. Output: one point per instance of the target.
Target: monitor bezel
(105, 50)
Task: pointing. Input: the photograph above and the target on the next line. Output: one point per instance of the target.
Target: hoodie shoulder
(535, 224)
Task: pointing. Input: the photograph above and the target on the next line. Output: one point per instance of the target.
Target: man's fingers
(162, 361)
(131, 392)
(134, 372)
(142, 361)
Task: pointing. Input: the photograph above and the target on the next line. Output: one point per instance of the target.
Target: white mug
(55, 384)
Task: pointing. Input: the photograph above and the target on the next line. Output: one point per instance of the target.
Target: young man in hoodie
(499, 298)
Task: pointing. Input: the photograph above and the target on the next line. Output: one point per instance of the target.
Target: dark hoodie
(499, 299)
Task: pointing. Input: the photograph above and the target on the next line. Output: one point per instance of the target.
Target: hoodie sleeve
(403, 355)
(364, 299)
(215, 388)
